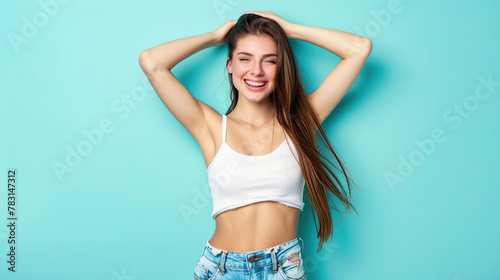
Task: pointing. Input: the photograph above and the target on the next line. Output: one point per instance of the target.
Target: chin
(256, 97)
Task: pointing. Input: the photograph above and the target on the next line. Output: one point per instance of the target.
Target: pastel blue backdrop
(104, 169)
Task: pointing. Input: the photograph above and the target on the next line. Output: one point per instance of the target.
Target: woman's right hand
(221, 32)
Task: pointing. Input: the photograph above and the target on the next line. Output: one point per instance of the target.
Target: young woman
(263, 150)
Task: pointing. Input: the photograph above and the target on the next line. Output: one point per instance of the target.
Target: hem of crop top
(241, 204)
(250, 156)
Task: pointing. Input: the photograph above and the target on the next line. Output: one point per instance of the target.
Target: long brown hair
(296, 116)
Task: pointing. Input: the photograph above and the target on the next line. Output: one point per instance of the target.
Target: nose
(256, 69)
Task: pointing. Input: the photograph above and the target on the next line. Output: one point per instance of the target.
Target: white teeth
(255, 84)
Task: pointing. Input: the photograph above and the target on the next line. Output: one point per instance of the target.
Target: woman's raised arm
(351, 48)
(157, 63)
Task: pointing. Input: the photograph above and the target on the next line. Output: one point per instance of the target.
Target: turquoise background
(115, 212)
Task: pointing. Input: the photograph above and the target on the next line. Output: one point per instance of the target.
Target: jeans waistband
(248, 260)
(287, 244)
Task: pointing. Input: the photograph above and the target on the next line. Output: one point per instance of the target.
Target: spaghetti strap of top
(224, 128)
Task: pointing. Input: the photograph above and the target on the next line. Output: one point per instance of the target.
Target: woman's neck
(255, 114)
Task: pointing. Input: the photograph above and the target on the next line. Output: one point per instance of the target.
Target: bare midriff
(255, 227)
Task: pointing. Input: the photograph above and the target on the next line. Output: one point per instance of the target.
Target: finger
(256, 13)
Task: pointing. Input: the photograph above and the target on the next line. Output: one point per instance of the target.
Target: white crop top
(236, 179)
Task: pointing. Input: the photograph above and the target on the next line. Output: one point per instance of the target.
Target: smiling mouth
(255, 84)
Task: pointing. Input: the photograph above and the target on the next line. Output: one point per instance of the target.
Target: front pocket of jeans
(205, 269)
(292, 268)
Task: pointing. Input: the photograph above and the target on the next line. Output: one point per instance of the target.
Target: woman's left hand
(286, 25)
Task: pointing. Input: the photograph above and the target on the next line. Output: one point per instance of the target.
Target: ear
(229, 66)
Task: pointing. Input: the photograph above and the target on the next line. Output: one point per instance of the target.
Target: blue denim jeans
(281, 262)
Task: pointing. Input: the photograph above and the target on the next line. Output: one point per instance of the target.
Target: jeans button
(252, 259)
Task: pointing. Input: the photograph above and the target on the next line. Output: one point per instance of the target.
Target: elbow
(365, 46)
(361, 48)
(145, 61)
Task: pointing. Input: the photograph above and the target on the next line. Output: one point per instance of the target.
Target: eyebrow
(266, 55)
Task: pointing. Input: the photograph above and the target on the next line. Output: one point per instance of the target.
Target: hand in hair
(221, 32)
(286, 25)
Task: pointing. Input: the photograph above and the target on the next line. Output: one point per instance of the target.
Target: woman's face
(253, 67)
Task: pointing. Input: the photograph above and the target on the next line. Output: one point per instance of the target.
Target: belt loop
(223, 262)
(301, 244)
(215, 251)
(273, 258)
